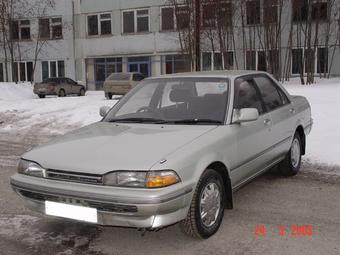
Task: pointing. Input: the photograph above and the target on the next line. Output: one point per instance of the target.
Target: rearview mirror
(245, 115)
(104, 110)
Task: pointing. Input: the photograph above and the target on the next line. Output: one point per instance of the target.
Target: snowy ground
(25, 110)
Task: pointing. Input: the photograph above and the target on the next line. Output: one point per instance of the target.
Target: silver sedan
(174, 149)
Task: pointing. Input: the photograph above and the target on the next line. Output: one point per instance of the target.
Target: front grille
(74, 177)
(100, 206)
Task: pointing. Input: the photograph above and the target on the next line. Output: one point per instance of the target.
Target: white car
(174, 149)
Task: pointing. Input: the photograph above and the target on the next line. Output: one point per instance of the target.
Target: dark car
(60, 87)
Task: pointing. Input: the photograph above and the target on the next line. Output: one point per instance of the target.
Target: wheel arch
(302, 135)
(223, 171)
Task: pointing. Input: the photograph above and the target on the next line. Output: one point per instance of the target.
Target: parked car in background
(174, 149)
(121, 83)
(60, 87)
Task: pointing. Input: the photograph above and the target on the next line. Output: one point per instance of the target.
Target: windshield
(175, 100)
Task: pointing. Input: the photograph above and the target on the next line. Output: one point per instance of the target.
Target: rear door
(253, 138)
(281, 111)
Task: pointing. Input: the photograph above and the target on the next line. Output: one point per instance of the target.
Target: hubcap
(295, 153)
(210, 204)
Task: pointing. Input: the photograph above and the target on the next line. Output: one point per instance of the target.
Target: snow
(323, 143)
(24, 110)
(60, 113)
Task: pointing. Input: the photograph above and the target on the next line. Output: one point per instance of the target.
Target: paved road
(311, 198)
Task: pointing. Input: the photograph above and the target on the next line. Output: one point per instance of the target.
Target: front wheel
(82, 92)
(41, 96)
(207, 207)
(291, 164)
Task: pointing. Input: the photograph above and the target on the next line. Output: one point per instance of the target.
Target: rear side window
(269, 92)
(246, 95)
(119, 77)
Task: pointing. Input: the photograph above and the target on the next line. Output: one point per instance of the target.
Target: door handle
(292, 110)
(267, 122)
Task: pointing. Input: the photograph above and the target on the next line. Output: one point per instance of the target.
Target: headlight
(152, 179)
(31, 168)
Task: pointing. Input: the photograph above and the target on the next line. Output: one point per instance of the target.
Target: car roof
(212, 74)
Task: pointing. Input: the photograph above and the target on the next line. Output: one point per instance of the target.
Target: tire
(290, 166)
(194, 225)
(41, 96)
(82, 92)
(109, 96)
(62, 93)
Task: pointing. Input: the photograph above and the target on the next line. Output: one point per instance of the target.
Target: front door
(253, 138)
(140, 65)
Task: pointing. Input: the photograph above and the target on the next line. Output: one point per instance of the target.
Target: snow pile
(13, 91)
(323, 144)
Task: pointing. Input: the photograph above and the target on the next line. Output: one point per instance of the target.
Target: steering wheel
(149, 109)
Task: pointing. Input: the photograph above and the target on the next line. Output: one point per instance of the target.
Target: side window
(270, 94)
(70, 81)
(246, 95)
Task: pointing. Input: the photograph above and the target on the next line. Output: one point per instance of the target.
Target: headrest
(180, 95)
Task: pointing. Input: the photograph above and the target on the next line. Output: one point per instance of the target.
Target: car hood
(103, 147)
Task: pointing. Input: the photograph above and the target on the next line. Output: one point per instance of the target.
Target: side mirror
(245, 115)
(104, 110)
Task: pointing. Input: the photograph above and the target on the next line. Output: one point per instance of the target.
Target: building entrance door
(140, 65)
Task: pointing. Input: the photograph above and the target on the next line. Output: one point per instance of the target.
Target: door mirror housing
(245, 115)
(104, 110)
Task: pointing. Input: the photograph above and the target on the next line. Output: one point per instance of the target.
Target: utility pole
(197, 35)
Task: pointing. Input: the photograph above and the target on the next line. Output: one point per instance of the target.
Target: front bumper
(138, 208)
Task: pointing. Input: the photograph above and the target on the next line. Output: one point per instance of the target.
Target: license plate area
(74, 212)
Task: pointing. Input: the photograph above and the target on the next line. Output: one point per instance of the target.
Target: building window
(214, 61)
(168, 18)
(99, 24)
(300, 10)
(320, 11)
(21, 30)
(136, 21)
(261, 61)
(176, 64)
(270, 11)
(309, 60)
(53, 69)
(322, 60)
(22, 71)
(209, 15)
(1, 72)
(104, 67)
(50, 28)
(297, 61)
(182, 17)
(251, 60)
(229, 60)
(225, 14)
(253, 12)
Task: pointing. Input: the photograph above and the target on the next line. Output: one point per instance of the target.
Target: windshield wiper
(197, 121)
(137, 120)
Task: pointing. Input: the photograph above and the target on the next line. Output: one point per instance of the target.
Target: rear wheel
(41, 96)
(62, 93)
(207, 207)
(109, 96)
(291, 164)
